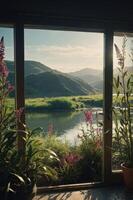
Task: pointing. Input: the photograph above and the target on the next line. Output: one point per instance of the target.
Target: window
(63, 89)
(108, 63)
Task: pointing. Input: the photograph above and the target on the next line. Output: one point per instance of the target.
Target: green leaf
(19, 178)
(124, 74)
(117, 82)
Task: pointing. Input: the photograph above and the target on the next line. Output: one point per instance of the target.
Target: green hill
(31, 67)
(42, 81)
(93, 77)
(51, 84)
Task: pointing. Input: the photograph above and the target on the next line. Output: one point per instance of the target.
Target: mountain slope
(50, 84)
(93, 77)
(31, 67)
(41, 81)
(89, 71)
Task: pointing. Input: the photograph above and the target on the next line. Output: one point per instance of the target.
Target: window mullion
(108, 82)
(19, 69)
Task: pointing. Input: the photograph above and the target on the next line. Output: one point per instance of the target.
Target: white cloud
(66, 57)
(66, 50)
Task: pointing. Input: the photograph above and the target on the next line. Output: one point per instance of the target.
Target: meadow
(61, 103)
(71, 103)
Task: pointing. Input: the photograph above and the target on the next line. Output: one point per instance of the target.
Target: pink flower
(88, 116)
(98, 130)
(72, 158)
(18, 113)
(4, 70)
(2, 48)
(98, 143)
(10, 87)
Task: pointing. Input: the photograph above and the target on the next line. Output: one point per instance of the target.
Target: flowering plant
(7, 116)
(69, 171)
(7, 126)
(71, 158)
(123, 118)
(90, 146)
(92, 133)
(18, 170)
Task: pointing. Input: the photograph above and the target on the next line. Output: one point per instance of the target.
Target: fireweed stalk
(19, 169)
(8, 117)
(93, 131)
(123, 118)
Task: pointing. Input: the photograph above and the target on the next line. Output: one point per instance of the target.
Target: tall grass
(86, 168)
(62, 103)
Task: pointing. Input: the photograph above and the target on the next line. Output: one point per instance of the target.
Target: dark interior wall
(64, 11)
(111, 10)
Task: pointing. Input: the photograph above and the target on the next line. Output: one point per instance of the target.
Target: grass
(59, 103)
(62, 103)
(91, 100)
(67, 170)
(51, 104)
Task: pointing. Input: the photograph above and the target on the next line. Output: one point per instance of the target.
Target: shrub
(91, 162)
(90, 149)
(60, 148)
(75, 164)
(55, 144)
(61, 104)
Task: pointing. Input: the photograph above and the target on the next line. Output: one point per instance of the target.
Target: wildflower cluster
(6, 115)
(71, 159)
(93, 131)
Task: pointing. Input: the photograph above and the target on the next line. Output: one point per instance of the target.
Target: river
(66, 125)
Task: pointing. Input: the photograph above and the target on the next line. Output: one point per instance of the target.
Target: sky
(65, 51)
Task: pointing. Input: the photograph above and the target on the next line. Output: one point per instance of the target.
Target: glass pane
(122, 99)
(64, 95)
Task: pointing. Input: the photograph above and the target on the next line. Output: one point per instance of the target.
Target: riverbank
(72, 103)
(51, 104)
(63, 103)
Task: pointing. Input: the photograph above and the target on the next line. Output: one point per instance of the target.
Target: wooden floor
(107, 193)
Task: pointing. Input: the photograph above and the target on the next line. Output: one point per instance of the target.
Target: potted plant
(18, 170)
(12, 176)
(123, 116)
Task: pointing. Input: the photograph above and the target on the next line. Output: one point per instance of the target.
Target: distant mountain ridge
(42, 81)
(86, 70)
(93, 77)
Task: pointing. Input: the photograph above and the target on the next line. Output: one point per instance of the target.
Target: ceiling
(33, 12)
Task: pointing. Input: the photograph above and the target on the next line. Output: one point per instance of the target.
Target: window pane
(64, 95)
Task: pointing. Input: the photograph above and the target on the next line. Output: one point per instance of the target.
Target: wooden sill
(117, 178)
(69, 187)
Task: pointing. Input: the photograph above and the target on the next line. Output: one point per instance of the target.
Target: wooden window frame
(109, 176)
